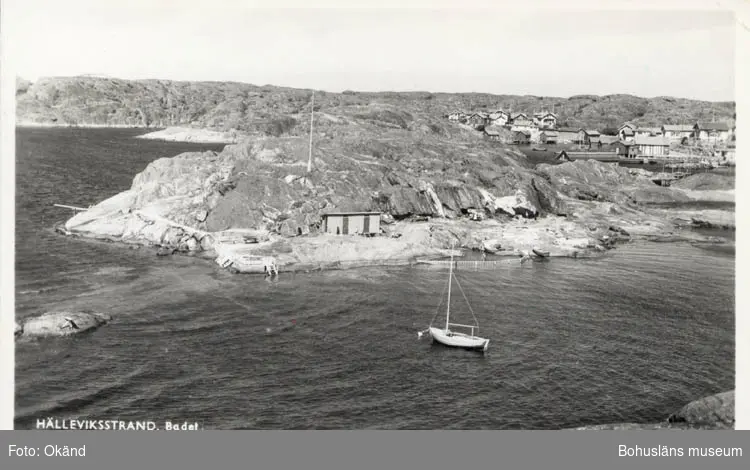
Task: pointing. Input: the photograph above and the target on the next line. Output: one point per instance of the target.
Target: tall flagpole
(312, 112)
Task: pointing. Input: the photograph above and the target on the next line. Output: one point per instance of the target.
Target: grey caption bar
(331, 450)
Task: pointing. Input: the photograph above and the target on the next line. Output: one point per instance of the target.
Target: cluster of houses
(511, 128)
(631, 141)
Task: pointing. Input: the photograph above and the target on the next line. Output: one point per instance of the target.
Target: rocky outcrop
(261, 186)
(705, 181)
(187, 134)
(590, 180)
(712, 412)
(60, 324)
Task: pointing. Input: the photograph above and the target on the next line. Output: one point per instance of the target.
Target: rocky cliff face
(262, 184)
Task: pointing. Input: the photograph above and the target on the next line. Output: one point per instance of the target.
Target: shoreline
(712, 412)
(315, 248)
(161, 133)
(45, 125)
(193, 135)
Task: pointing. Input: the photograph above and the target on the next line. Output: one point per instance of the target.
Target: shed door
(345, 226)
(366, 228)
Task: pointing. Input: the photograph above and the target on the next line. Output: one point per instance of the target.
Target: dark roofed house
(591, 137)
(492, 133)
(626, 131)
(521, 137)
(625, 149)
(476, 121)
(712, 131)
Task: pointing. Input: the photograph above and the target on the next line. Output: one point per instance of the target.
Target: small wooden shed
(352, 223)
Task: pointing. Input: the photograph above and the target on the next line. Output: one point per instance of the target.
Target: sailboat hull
(459, 340)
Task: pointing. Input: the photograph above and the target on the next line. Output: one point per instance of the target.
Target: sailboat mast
(312, 113)
(450, 281)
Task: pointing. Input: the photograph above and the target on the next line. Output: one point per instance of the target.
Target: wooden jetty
(74, 208)
(471, 264)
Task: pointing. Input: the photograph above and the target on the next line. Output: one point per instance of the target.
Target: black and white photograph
(234, 216)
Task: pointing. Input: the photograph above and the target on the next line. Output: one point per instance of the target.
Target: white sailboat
(451, 338)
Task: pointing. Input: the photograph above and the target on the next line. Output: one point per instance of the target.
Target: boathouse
(607, 157)
(521, 137)
(351, 223)
(651, 146)
(492, 132)
(567, 135)
(548, 137)
(625, 149)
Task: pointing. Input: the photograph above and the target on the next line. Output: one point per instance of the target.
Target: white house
(499, 118)
(649, 131)
(677, 132)
(545, 120)
(523, 125)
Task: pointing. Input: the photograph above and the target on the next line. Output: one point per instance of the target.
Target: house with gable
(545, 120)
(499, 118)
(626, 132)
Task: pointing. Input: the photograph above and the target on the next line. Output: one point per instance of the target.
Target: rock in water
(63, 323)
(712, 412)
(164, 251)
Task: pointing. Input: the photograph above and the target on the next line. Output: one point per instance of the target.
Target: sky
(684, 53)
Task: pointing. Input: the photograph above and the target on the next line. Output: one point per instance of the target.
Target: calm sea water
(629, 337)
